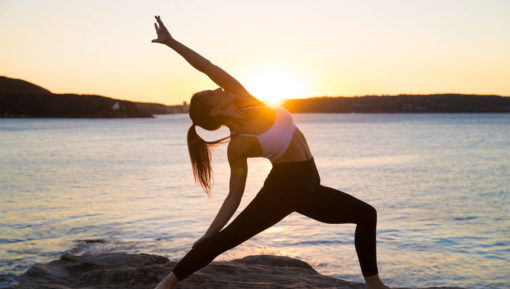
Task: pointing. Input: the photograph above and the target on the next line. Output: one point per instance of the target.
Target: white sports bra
(276, 139)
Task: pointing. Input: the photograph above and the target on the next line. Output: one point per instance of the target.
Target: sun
(272, 85)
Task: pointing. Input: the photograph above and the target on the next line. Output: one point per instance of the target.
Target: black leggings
(290, 187)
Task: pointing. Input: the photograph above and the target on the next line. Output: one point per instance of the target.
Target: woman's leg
(265, 210)
(333, 206)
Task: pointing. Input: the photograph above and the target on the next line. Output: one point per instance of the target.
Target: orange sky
(277, 49)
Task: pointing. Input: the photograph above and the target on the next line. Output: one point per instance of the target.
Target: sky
(275, 48)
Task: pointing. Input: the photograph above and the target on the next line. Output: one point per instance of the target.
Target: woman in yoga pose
(293, 184)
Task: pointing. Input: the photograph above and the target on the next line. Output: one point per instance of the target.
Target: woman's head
(205, 111)
(206, 108)
(200, 110)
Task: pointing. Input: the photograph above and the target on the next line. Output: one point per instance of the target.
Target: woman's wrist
(170, 42)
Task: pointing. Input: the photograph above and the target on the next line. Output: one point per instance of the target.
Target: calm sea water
(440, 183)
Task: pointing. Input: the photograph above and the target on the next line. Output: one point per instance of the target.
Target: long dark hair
(199, 149)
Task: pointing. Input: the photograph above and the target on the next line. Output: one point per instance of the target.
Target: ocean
(440, 184)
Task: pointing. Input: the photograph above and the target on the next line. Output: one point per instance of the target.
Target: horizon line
(282, 101)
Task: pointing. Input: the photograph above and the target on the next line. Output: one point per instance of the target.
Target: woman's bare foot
(373, 282)
(168, 282)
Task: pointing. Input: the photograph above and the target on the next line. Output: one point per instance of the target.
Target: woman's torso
(263, 121)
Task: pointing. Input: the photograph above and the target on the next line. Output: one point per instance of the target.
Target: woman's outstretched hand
(163, 35)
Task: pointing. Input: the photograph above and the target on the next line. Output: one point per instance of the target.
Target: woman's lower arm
(226, 211)
(196, 60)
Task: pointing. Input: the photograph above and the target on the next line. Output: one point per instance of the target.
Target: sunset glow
(274, 84)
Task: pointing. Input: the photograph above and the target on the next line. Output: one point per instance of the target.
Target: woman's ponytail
(200, 155)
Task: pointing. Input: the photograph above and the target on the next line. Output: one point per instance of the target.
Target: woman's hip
(289, 175)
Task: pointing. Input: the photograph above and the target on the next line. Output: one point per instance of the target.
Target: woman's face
(221, 99)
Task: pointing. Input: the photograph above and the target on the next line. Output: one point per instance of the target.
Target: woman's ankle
(373, 279)
(168, 281)
(373, 282)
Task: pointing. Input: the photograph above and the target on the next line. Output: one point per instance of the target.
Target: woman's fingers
(161, 31)
(158, 18)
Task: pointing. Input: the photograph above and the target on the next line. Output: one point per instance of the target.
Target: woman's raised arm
(215, 73)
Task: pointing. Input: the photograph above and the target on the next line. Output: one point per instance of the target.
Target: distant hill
(157, 108)
(19, 98)
(403, 103)
(11, 86)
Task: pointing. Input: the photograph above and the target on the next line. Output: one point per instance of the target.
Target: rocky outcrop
(143, 271)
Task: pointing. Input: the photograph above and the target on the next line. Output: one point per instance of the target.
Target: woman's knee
(369, 214)
(372, 212)
(210, 245)
(216, 244)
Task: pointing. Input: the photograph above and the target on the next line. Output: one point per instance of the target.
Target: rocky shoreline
(144, 271)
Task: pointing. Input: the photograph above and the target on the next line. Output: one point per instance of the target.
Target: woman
(293, 185)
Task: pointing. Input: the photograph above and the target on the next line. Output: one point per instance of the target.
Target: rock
(275, 261)
(144, 271)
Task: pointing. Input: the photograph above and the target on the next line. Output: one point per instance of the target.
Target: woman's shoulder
(249, 101)
(239, 141)
(241, 146)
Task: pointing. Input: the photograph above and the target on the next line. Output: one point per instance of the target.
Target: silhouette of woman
(293, 184)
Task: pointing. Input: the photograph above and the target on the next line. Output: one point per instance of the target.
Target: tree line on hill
(403, 103)
(19, 98)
